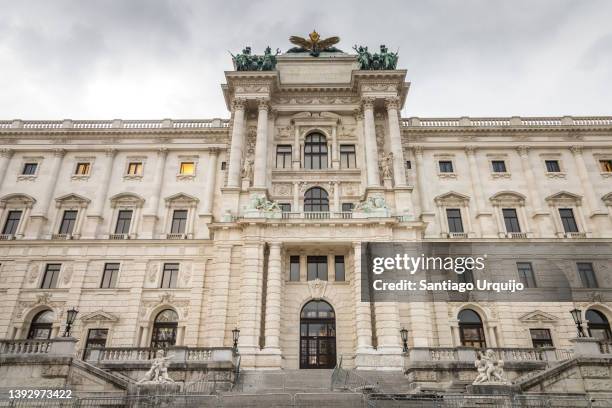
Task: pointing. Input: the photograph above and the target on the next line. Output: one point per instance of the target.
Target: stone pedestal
(586, 346)
(161, 393)
(492, 389)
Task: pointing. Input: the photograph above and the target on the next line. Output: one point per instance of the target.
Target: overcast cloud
(165, 59)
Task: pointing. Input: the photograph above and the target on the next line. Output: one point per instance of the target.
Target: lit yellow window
(606, 166)
(187, 168)
(82, 169)
(134, 169)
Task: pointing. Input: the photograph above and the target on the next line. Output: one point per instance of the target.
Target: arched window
(599, 327)
(315, 151)
(164, 329)
(41, 325)
(471, 331)
(316, 199)
(317, 335)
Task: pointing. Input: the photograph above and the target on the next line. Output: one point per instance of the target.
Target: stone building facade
(165, 232)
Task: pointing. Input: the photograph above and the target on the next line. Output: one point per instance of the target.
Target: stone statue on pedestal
(490, 369)
(158, 373)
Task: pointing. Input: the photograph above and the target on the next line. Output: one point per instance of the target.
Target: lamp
(404, 334)
(577, 316)
(235, 336)
(70, 318)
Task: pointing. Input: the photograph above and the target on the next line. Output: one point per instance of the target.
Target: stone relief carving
(283, 132)
(282, 189)
(350, 189)
(152, 273)
(33, 273)
(186, 274)
(387, 165)
(345, 131)
(67, 274)
(316, 100)
(247, 170)
(317, 288)
(41, 299)
(490, 369)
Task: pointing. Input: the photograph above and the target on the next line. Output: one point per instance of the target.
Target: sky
(153, 59)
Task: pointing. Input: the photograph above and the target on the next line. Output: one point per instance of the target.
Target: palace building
(174, 233)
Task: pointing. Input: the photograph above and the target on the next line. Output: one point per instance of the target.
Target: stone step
(284, 380)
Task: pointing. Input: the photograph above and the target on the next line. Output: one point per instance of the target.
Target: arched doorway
(317, 335)
(42, 325)
(598, 325)
(164, 329)
(471, 331)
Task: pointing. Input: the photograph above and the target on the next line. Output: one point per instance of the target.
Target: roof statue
(314, 44)
(376, 61)
(245, 61)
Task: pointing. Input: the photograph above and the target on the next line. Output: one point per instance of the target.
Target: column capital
(110, 152)
(418, 150)
(214, 151)
(263, 104)
(392, 102)
(4, 152)
(239, 103)
(470, 150)
(59, 152)
(576, 149)
(162, 151)
(368, 102)
(275, 244)
(522, 150)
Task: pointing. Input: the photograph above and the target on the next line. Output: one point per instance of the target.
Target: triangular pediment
(182, 197)
(508, 197)
(72, 198)
(99, 316)
(564, 196)
(127, 199)
(538, 316)
(18, 199)
(451, 196)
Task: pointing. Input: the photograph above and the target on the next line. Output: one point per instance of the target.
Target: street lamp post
(70, 318)
(404, 334)
(235, 336)
(577, 316)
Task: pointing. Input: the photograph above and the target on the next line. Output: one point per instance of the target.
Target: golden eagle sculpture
(314, 44)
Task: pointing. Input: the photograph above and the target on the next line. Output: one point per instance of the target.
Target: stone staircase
(283, 381)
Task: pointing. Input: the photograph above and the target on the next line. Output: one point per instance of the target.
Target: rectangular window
(466, 277)
(347, 157)
(96, 338)
(446, 166)
(526, 275)
(541, 338)
(223, 165)
(453, 215)
(606, 166)
(511, 220)
(134, 169)
(179, 222)
(587, 275)
(51, 276)
(124, 219)
(294, 268)
(552, 166)
(283, 156)
(568, 220)
(347, 207)
(187, 168)
(110, 275)
(317, 267)
(29, 169)
(499, 166)
(170, 276)
(339, 268)
(408, 164)
(68, 222)
(285, 207)
(82, 169)
(12, 222)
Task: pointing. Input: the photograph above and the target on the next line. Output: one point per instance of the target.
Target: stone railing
(127, 355)
(605, 346)
(503, 353)
(114, 124)
(57, 347)
(514, 121)
(316, 215)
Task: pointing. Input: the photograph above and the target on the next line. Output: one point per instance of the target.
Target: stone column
(160, 167)
(249, 289)
(395, 136)
(44, 206)
(273, 298)
(211, 178)
(237, 144)
(334, 150)
(424, 184)
(592, 203)
(107, 170)
(296, 197)
(296, 148)
(363, 316)
(470, 151)
(534, 195)
(371, 149)
(5, 158)
(335, 186)
(219, 296)
(261, 145)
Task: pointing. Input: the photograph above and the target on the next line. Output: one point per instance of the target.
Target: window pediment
(507, 198)
(72, 200)
(17, 200)
(538, 316)
(126, 200)
(100, 316)
(181, 200)
(452, 198)
(564, 197)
